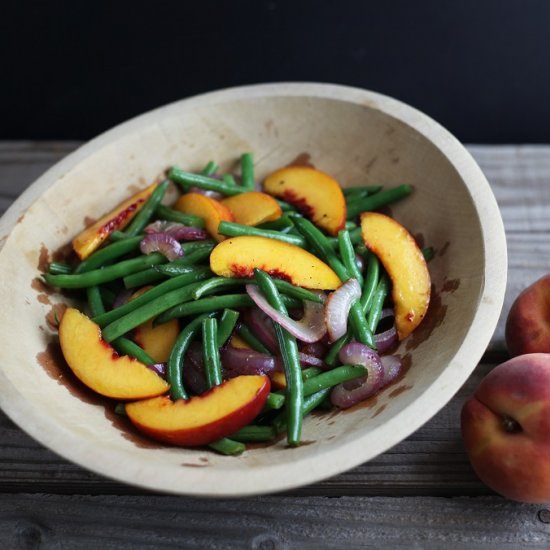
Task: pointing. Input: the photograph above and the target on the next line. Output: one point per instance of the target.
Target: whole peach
(528, 322)
(506, 428)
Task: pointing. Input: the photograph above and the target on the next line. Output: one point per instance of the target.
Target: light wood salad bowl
(357, 136)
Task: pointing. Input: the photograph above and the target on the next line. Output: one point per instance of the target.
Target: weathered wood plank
(32, 521)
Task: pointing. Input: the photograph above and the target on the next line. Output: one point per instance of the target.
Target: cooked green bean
(125, 346)
(227, 323)
(151, 275)
(291, 362)
(229, 179)
(175, 361)
(58, 268)
(211, 352)
(285, 206)
(171, 215)
(378, 200)
(331, 378)
(252, 433)
(230, 229)
(331, 358)
(227, 446)
(186, 179)
(365, 190)
(378, 303)
(142, 218)
(251, 339)
(347, 253)
(310, 372)
(109, 253)
(147, 311)
(371, 282)
(155, 292)
(428, 252)
(174, 270)
(220, 283)
(210, 168)
(247, 171)
(283, 224)
(105, 274)
(95, 301)
(349, 225)
(274, 401)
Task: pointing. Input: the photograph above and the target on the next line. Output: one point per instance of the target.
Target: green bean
(291, 361)
(365, 189)
(174, 270)
(117, 235)
(184, 179)
(141, 219)
(285, 206)
(310, 372)
(109, 253)
(349, 225)
(274, 401)
(313, 401)
(120, 409)
(217, 283)
(229, 179)
(284, 223)
(151, 275)
(252, 433)
(175, 361)
(371, 281)
(331, 378)
(210, 168)
(125, 346)
(95, 301)
(355, 236)
(171, 215)
(251, 339)
(108, 296)
(147, 311)
(105, 274)
(58, 268)
(227, 323)
(428, 252)
(378, 200)
(347, 253)
(331, 358)
(230, 229)
(380, 294)
(211, 352)
(247, 171)
(359, 325)
(227, 446)
(154, 293)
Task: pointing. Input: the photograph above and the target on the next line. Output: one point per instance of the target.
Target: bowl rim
(332, 461)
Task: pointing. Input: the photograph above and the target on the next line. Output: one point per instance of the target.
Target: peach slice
(212, 211)
(92, 237)
(278, 380)
(97, 365)
(314, 193)
(238, 343)
(404, 263)
(156, 341)
(238, 256)
(205, 418)
(253, 208)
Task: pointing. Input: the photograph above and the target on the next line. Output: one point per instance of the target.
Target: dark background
(71, 70)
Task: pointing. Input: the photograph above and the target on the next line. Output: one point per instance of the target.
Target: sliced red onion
(163, 243)
(310, 328)
(310, 360)
(388, 339)
(159, 368)
(393, 367)
(207, 192)
(316, 349)
(262, 326)
(121, 298)
(193, 369)
(245, 361)
(178, 231)
(349, 393)
(337, 308)
(360, 262)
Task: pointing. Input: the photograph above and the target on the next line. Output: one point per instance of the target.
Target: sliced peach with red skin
(99, 367)
(212, 211)
(405, 264)
(253, 208)
(155, 341)
(238, 343)
(314, 193)
(238, 256)
(92, 237)
(204, 418)
(278, 380)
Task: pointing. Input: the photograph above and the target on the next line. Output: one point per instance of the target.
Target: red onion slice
(193, 370)
(349, 393)
(393, 367)
(163, 243)
(244, 361)
(159, 368)
(178, 231)
(388, 339)
(310, 328)
(310, 360)
(337, 308)
(317, 349)
(262, 327)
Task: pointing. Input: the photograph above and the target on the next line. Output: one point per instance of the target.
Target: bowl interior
(353, 138)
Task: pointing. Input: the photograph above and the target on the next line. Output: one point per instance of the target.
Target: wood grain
(395, 500)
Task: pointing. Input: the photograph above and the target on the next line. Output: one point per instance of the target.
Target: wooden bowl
(358, 136)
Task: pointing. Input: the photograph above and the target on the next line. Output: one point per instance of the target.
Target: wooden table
(422, 493)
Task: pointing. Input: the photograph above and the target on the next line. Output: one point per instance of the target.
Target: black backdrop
(72, 69)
